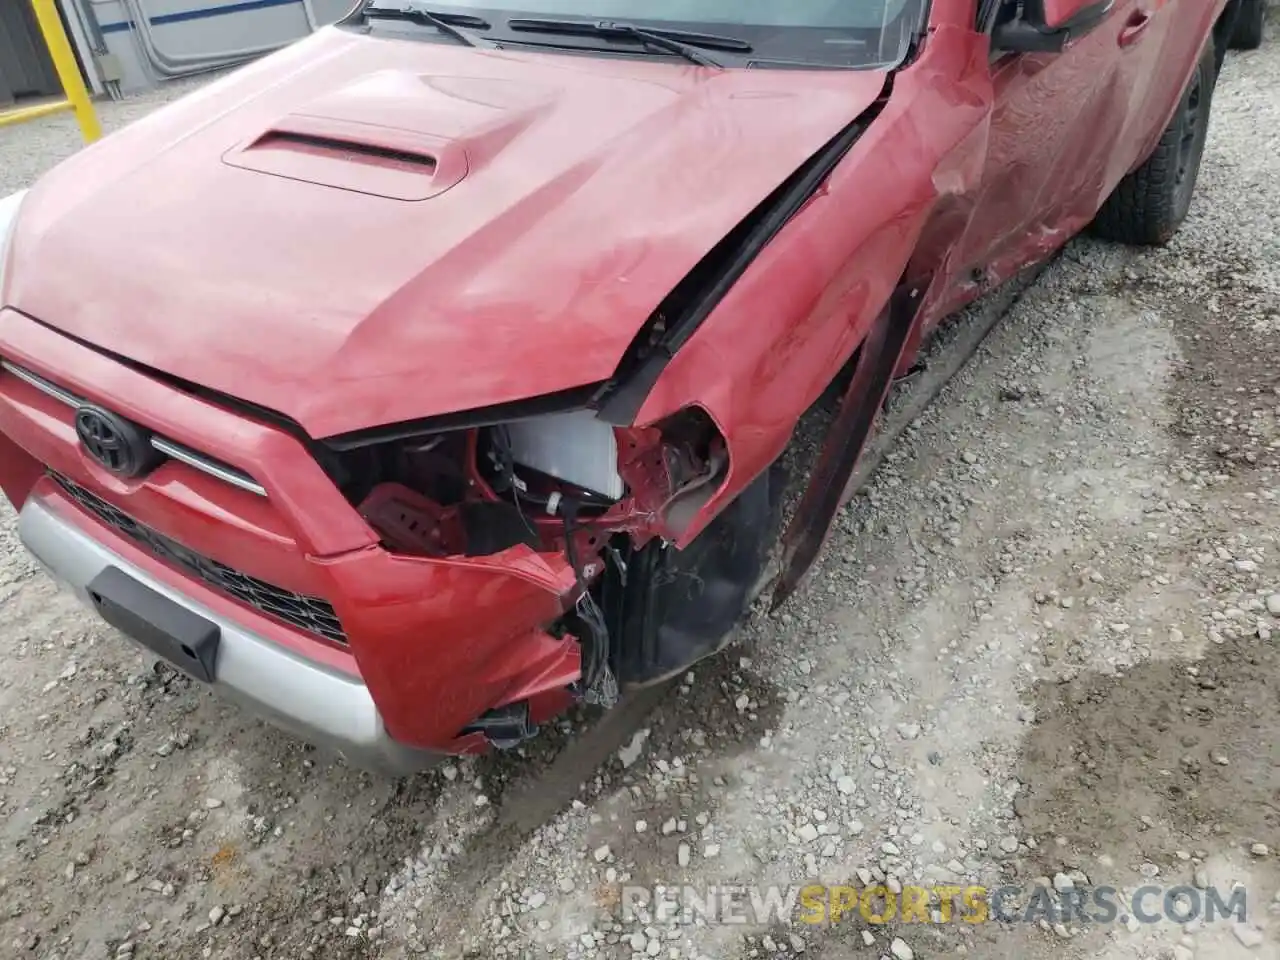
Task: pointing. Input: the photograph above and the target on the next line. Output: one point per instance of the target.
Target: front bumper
(330, 709)
(434, 642)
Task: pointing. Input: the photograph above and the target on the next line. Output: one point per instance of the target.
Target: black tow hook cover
(505, 727)
(186, 640)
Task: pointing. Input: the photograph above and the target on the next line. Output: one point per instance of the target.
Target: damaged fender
(810, 298)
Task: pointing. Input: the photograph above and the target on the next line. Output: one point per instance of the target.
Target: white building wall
(328, 11)
(205, 28)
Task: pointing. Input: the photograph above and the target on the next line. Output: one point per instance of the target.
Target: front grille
(306, 613)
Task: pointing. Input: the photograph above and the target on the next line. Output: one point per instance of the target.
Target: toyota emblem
(113, 442)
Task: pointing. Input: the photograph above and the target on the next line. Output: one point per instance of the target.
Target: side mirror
(1047, 26)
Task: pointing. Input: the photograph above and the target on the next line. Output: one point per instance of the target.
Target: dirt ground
(1041, 644)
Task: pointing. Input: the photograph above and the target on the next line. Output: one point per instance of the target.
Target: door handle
(1135, 28)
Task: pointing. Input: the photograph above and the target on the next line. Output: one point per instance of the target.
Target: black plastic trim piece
(1029, 33)
(878, 357)
(685, 309)
(184, 639)
(564, 401)
(216, 397)
(348, 148)
(1088, 17)
(505, 727)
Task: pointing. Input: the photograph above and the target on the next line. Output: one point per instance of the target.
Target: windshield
(847, 33)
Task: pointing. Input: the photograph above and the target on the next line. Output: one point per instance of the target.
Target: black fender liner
(670, 608)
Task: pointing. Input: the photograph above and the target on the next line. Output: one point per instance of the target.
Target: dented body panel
(352, 335)
(342, 309)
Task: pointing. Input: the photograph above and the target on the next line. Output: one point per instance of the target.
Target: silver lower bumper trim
(324, 707)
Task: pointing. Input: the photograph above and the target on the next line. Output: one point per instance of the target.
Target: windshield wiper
(446, 23)
(683, 43)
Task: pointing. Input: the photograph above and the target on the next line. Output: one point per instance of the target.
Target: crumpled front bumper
(428, 645)
(326, 707)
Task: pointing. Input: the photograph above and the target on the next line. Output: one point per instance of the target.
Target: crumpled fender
(791, 322)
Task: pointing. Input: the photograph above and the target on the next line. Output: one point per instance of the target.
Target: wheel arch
(891, 210)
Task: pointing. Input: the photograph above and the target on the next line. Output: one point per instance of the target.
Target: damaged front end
(663, 538)
(607, 501)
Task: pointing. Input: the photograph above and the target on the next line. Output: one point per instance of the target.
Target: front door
(1162, 46)
(1055, 123)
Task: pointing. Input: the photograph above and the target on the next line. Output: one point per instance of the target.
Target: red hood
(568, 196)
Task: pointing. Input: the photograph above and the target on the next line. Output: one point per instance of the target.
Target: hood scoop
(388, 162)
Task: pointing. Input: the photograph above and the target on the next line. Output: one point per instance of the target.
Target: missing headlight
(539, 480)
(573, 447)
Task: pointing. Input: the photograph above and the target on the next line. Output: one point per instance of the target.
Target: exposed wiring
(599, 686)
(528, 525)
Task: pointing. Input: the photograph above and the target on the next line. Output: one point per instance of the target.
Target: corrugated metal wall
(25, 68)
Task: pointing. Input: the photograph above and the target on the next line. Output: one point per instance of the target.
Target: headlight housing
(8, 221)
(574, 447)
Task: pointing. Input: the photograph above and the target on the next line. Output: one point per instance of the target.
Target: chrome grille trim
(41, 384)
(177, 451)
(170, 448)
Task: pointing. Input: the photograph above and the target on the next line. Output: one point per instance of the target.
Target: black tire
(1250, 25)
(1150, 204)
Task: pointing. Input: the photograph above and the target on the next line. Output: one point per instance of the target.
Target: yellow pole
(23, 114)
(64, 61)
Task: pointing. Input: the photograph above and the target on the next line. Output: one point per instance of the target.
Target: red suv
(434, 372)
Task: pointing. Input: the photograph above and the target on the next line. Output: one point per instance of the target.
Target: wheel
(1249, 26)
(1150, 204)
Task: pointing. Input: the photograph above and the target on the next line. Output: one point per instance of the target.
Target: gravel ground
(1039, 645)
